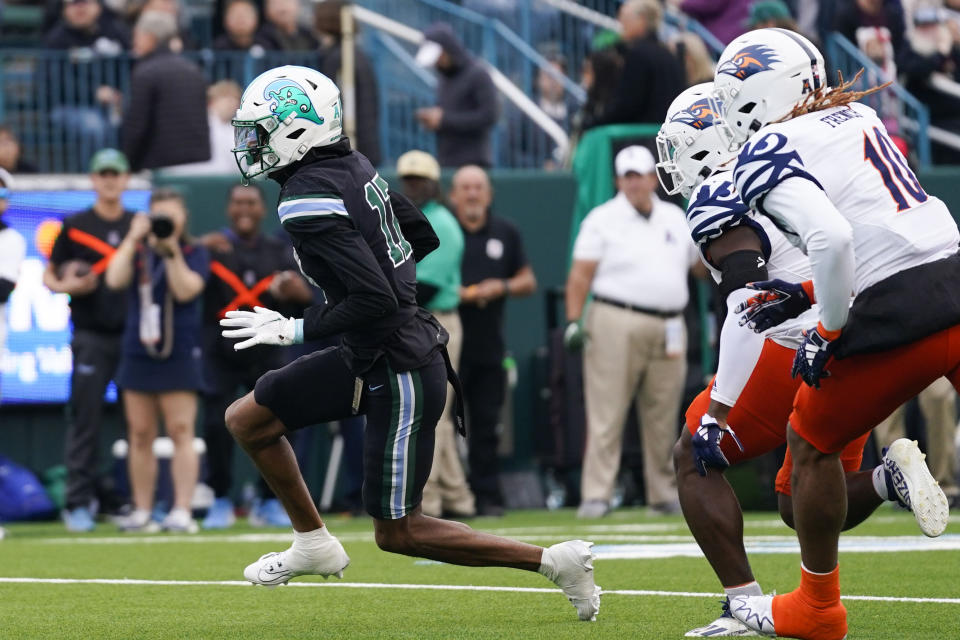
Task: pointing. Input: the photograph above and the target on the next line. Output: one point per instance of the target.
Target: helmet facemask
(688, 148)
(252, 149)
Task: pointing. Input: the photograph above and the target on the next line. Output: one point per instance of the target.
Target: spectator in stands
(466, 109)
(697, 62)
(78, 259)
(283, 29)
(240, 33)
(938, 404)
(633, 253)
(13, 249)
(932, 55)
(165, 123)
(551, 95)
(531, 147)
(853, 14)
(495, 268)
(725, 19)
(438, 291)
(366, 140)
(223, 100)
(10, 153)
(84, 24)
(160, 370)
(651, 76)
(183, 40)
(80, 109)
(248, 269)
(599, 76)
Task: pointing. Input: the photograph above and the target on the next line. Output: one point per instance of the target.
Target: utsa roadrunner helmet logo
(289, 97)
(748, 61)
(699, 115)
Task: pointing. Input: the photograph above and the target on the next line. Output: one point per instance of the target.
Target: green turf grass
(230, 612)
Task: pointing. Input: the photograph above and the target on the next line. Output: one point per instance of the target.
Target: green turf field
(200, 594)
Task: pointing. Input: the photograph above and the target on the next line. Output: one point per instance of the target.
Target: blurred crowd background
(458, 104)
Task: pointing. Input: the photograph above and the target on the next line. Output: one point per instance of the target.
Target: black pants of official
(484, 387)
(223, 378)
(95, 359)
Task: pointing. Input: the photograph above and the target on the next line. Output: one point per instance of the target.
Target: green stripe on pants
(386, 483)
(418, 401)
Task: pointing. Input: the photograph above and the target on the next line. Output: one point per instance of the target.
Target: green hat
(109, 160)
(767, 10)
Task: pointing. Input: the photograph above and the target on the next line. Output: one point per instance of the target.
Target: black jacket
(63, 36)
(358, 241)
(165, 123)
(367, 139)
(468, 98)
(225, 43)
(302, 40)
(651, 78)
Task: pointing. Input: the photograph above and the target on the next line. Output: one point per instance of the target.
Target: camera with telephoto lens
(161, 226)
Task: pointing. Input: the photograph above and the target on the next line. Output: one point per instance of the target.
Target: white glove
(262, 326)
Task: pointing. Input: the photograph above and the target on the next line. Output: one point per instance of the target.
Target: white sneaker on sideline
(138, 521)
(723, 627)
(909, 482)
(572, 563)
(277, 568)
(179, 521)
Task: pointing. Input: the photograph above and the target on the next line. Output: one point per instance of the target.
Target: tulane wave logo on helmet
(699, 115)
(748, 61)
(289, 97)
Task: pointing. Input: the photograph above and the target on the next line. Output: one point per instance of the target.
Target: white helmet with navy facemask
(760, 77)
(283, 114)
(688, 145)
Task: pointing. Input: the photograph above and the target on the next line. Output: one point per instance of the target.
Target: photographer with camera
(160, 364)
(78, 259)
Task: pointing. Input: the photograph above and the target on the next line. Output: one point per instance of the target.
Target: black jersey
(87, 237)
(240, 279)
(359, 242)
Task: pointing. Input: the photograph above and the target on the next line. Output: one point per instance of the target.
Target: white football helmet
(689, 147)
(284, 113)
(760, 77)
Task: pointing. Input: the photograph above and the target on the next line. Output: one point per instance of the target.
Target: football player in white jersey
(821, 167)
(753, 391)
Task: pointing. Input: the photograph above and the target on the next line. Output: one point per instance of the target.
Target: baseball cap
(635, 158)
(429, 53)
(109, 160)
(419, 164)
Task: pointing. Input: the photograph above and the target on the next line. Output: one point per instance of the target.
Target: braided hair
(828, 97)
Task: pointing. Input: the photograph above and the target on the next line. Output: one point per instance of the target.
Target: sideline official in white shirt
(633, 254)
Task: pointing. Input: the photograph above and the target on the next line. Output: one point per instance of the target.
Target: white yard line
(419, 587)
(632, 546)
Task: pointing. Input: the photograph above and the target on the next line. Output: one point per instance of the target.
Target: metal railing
(52, 98)
(903, 114)
(525, 136)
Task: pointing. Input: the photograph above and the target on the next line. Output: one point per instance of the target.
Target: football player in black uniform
(358, 241)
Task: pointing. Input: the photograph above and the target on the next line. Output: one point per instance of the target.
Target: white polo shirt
(643, 261)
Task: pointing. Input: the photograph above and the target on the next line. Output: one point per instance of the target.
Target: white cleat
(725, 626)
(572, 562)
(755, 612)
(278, 568)
(910, 483)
